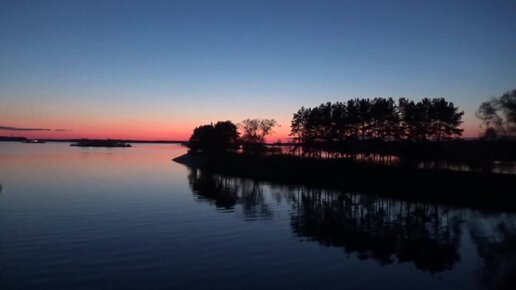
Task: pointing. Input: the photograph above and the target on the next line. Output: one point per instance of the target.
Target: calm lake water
(130, 218)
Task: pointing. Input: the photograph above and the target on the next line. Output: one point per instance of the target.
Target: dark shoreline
(486, 191)
(100, 143)
(21, 139)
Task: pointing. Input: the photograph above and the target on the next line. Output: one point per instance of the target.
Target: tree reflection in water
(222, 191)
(379, 228)
(496, 245)
(227, 192)
(372, 227)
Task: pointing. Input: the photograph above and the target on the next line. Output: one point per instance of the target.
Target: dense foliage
(255, 130)
(499, 115)
(380, 119)
(221, 136)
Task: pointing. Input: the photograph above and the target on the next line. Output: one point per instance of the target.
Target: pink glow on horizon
(151, 131)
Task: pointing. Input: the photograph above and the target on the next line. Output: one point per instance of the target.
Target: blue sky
(158, 68)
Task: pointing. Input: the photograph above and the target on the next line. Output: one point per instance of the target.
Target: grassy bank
(478, 189)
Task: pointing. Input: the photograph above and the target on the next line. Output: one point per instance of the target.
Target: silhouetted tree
(340, 126)
(221, 136)
(384, 119)
(300, 131)
(508, 105)
(298, 125)
(364, 116)
(487, 112)
(499, 115)
(379, 119)
(445, 119)
(410, 120)
(256, 130)
(226, 133)
(351, 120)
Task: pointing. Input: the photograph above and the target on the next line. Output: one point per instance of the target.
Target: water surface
(130, 218)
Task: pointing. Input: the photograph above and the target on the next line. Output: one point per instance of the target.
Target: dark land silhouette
(380, 119)
(401, 149)
(406, 133)
(100, 143)
(23, 139)
(482, 190)
(34, 141)
(12, 139)
(224, 136)
(424, 132)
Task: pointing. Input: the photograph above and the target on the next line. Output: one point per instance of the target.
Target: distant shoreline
(101, 143)
(21, 139)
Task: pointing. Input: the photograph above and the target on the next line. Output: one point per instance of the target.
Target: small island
(406, 149)
(100, 143)
(34, 141)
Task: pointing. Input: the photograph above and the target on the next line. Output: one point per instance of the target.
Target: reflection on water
(385, 230)
(503, 167)
(224, 192)
(118, 218)
(378, 228)
(496, 245)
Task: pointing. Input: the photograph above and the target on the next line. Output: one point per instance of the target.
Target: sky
(156, 69)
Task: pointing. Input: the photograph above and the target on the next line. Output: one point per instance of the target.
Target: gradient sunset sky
(156, 69)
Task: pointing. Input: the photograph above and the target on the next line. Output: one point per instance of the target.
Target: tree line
(365, 125)
(381, 119)
(225, 135)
